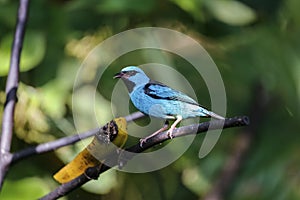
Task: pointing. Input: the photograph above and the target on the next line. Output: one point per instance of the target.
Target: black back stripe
(152, 94)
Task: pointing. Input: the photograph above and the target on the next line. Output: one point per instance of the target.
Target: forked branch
(114, 159)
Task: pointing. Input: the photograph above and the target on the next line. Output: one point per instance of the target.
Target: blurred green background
(255, 44)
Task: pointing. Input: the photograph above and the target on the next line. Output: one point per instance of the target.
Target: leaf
(191, 6)
(32, 53)
(231, 12)
(27, 188)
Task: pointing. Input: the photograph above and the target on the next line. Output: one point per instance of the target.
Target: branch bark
(11, 90)
(94, 172)
(50, 146)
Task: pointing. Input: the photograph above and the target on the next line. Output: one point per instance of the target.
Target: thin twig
(94, 172)
(50, 146)
(11, 90)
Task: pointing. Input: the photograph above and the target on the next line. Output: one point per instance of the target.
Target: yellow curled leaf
(97, 151)
(122, 136)
(76, 167)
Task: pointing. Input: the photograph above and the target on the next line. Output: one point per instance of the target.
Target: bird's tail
(216, 116)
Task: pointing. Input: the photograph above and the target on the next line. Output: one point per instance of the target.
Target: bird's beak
(118, 75)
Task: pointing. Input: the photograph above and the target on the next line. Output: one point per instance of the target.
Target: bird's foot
(143, 141)
(173, 127)
(170, 133)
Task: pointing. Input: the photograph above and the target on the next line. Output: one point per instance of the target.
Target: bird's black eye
(130, 73)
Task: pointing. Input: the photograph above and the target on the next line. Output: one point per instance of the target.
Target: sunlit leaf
(191, 6)
(31, 124)
(25, 189)
(231, 12)
(53, 99)
(32, 53)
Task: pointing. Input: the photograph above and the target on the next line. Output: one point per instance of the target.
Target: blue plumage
(161, 101)
(158, 100)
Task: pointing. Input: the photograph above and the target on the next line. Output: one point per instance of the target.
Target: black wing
(158, 90)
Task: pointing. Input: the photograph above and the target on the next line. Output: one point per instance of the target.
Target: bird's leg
(165, 127)
(173, 126)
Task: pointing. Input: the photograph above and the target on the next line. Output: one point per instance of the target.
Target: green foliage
(33, 51)
(251, 42)
(27, 189)
(232, 13)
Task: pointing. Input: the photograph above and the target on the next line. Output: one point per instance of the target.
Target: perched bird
(159, 100)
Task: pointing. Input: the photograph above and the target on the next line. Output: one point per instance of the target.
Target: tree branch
(94, 172)
(11, 90)
(50, 146)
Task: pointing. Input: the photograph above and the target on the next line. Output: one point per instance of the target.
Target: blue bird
(158, 100)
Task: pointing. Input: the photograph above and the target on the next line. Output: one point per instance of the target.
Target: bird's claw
(170, 134)
(142, 141)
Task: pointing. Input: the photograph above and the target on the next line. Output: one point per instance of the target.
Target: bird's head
(132, 77)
